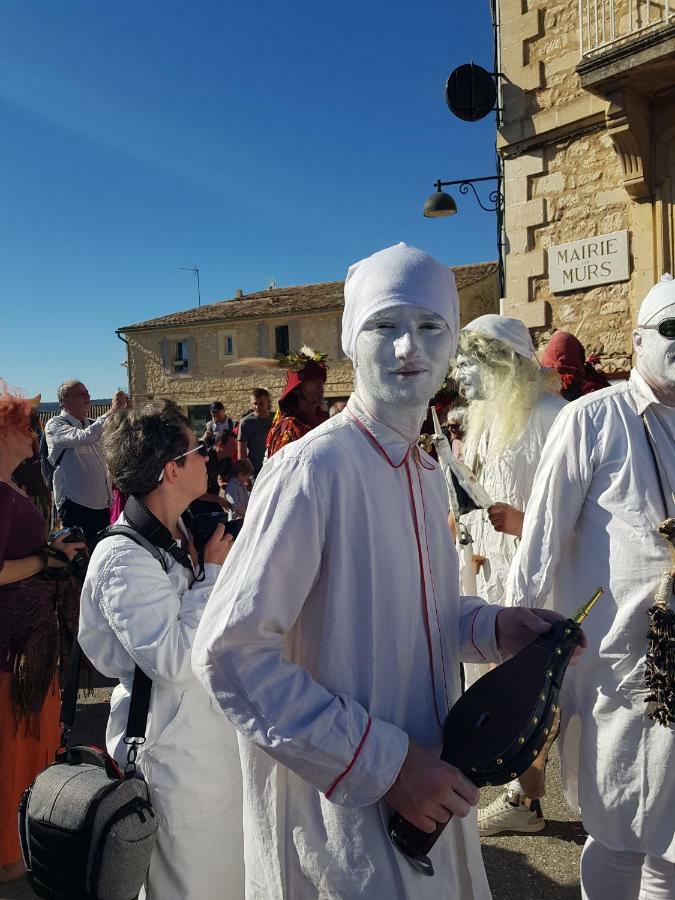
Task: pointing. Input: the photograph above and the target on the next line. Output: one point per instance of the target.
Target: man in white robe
(512, 406)
(511, 411)
(333, 637)
(592, 520)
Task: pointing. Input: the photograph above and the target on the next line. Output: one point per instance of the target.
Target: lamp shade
(439, 204)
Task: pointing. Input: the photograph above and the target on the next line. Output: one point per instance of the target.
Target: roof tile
(303, 298)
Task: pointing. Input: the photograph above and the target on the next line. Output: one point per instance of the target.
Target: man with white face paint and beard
(604, 486)
(511, 410)
(512, 406)
(333, 636)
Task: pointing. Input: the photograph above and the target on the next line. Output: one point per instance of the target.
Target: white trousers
(624, 876)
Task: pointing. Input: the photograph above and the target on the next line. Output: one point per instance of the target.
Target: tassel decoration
(660, 662)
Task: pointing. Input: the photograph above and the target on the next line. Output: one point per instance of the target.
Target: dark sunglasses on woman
(201, 449)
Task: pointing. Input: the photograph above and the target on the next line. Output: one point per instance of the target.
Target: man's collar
(644, 396)
(72, 420)
(389, 442)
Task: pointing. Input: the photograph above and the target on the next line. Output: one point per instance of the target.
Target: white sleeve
(154, 624)
(477, 630)
(239, 654)
(60, 435)
(558, 493)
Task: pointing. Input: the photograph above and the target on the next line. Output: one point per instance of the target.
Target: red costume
(289, 424)
(566, 355)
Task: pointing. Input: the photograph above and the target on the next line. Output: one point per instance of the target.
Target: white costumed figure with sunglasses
(603, 488)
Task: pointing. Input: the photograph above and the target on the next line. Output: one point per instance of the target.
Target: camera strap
(139, 704)
(149, 527)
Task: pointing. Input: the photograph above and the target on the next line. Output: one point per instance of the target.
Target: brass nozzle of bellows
(584, 610)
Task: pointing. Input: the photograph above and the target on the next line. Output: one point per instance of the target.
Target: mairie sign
(582, 264)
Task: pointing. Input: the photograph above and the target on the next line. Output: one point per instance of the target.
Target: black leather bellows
(497, 728)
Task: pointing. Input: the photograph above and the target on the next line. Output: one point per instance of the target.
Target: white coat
(133, 613)
(335, 631)
(592, 520)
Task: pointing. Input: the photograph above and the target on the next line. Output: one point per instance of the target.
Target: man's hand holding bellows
(428, 791)
(516, 627)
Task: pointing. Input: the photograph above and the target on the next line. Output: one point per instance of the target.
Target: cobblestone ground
(544, 866)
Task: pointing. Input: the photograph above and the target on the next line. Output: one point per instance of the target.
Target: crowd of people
(301, 673)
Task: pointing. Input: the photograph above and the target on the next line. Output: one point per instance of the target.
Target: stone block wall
(212, 379)
(562, 180)
(581, 188)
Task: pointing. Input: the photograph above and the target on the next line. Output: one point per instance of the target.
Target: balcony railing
(606, 23)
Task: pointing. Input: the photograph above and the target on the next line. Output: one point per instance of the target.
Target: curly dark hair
(137, 444)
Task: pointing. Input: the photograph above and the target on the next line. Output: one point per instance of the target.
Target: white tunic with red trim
(335, 631)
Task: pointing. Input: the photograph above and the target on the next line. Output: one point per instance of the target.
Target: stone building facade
(587, 140)
(215, 352)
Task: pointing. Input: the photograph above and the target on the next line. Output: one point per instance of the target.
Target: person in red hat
(300, 407)
(578, 375)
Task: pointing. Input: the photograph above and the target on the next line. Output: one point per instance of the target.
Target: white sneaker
(509, 813)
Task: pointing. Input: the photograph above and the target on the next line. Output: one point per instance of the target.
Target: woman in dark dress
(38, 619)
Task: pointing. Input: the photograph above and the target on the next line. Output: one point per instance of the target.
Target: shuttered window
(179, 355)
(281, 341)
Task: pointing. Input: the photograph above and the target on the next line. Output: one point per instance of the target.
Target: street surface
(543, 866)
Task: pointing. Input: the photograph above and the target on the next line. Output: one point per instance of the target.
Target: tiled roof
(303, 298)
(96, 410)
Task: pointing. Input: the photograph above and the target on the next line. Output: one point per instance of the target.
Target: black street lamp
(440, 204)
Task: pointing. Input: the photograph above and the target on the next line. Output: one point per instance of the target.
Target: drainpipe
(125, 341)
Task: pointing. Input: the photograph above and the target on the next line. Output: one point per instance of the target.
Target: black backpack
(46, 467)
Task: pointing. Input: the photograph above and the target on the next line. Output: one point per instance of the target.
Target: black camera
(78, 564)
(203, 525)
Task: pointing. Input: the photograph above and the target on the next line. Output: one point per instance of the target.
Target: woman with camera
(38, 619)
(135, 612)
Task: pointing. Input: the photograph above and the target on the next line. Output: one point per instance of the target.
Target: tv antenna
(194, 269)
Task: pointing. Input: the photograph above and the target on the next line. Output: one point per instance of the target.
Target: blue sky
(260, 141)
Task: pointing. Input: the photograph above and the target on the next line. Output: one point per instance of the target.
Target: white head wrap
(397, 276)
(658, 298)
(509, 331)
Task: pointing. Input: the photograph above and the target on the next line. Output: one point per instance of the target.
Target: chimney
(239, 294)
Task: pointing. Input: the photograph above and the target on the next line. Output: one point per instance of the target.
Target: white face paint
(469, 377)
(656, 356)
(402, 356)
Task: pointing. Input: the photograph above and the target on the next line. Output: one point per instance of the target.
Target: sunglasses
(201, 448)
(666, 328)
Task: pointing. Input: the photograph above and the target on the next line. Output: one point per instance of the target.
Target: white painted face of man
(469, 376)
(402, 356)
(656, 356)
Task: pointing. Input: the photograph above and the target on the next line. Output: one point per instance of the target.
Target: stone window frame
(266, 335)
(168, 349)
(222, 338)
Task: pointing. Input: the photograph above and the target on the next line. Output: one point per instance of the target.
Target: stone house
(587, 139)
(191, 356)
